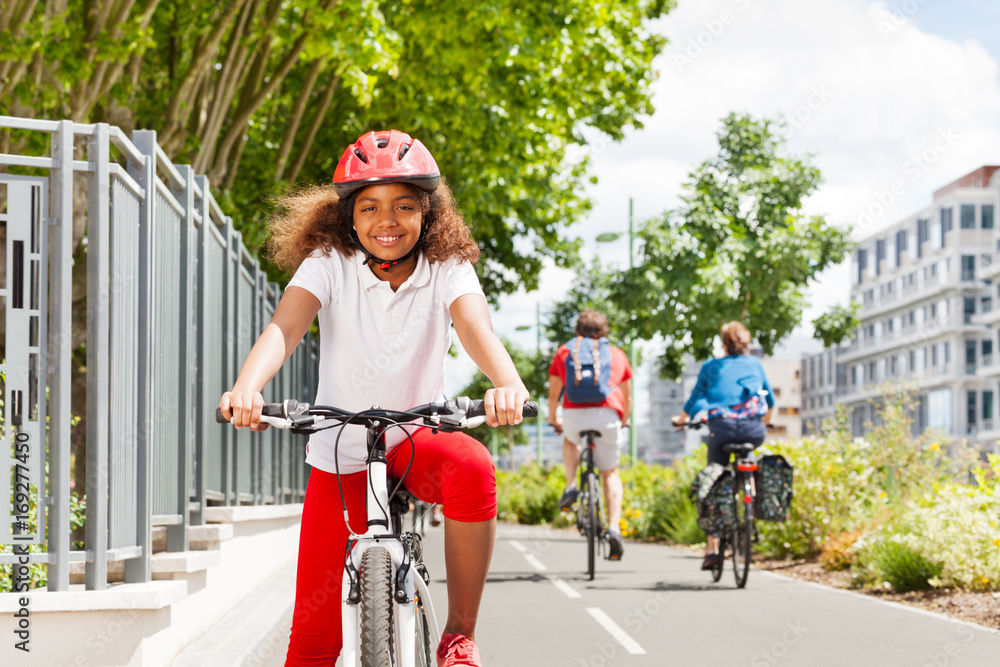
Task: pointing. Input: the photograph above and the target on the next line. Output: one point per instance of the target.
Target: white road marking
(564, 587)
(517, 545)
(617, 633)
(534, 562)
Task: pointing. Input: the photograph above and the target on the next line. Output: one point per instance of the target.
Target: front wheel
(376, 609)
(742, 545)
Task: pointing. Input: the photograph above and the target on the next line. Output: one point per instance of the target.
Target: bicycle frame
(380, 533)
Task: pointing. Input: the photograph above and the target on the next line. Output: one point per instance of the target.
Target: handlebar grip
(477, 409)
(273, 410)
(269, 410)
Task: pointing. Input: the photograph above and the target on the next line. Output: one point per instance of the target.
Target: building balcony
(909, 337)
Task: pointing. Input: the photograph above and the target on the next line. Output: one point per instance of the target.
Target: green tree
(739, 248)
(837, 325)
(533, 369)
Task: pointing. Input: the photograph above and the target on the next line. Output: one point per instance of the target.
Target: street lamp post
(538, 351)
(605, 238)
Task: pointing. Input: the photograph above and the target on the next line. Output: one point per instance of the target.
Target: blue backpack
(588, 370)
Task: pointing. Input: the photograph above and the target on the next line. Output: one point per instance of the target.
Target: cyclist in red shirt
(606, 417)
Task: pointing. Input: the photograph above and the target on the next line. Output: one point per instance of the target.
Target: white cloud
(879, 100)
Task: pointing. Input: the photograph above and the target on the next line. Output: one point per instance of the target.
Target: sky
(878, 93)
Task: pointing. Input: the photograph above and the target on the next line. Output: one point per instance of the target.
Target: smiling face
(387, 218)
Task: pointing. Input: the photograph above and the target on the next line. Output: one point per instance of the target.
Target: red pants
(450, 469)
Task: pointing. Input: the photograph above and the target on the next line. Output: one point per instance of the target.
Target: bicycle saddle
(738, 448)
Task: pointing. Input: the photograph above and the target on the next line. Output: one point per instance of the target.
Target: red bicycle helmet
(385, 157)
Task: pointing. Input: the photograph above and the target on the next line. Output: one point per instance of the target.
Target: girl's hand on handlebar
(503, 405)
(243, 408)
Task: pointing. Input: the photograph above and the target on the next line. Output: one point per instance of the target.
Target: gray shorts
(603, 420)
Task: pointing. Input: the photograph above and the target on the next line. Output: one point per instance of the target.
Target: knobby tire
(377, 646)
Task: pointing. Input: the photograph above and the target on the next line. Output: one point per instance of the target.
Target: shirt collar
(420, 277)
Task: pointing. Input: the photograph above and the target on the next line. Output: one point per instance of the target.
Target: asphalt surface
(655, 607)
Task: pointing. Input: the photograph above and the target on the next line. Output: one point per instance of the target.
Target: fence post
(200, 306)
(98, 262)
(177, 534)
(59, 354)
(139, 569)
(230, 282)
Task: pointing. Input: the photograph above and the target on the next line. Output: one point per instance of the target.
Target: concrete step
(164, 565)
(200, 538)
(255, 632)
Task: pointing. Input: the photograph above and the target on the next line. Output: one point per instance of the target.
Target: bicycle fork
(406, 586)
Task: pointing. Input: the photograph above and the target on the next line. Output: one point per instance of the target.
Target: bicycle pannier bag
(712, 491)
(773, 481)
(588, 370)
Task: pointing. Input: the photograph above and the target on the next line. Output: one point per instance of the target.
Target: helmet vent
(403, 150)
(382, 142)
(361, 155)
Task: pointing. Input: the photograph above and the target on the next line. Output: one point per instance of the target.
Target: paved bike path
(539, 609)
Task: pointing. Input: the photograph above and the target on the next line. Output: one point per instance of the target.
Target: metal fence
(174, 303)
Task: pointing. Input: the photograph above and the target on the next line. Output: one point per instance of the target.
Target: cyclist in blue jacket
(735, 393)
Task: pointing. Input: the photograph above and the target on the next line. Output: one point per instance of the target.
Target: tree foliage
(836, 325)
(739, 248)
(260, 94)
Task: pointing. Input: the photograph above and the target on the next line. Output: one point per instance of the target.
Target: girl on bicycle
(737, 396)
(385, 259)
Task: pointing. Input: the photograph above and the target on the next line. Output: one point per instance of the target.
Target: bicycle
(590, 517)
(739, 539)
(383, 599)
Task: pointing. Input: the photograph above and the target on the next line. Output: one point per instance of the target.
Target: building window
(946, 224)
(900, 246)
(968, 267)
(777, 391)
(934, 355)
(862, 262)
(987, 406)
(970, 357)
(923, 234)
(986, 216)
(968, 216)
(970, 412)
(968, 309)
(913, 360)
(788, 411)
(987, 351)
(947, 351)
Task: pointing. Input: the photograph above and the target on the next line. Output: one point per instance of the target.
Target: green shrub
(895, 561)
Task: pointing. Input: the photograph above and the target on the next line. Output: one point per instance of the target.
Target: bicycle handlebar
(460, 413)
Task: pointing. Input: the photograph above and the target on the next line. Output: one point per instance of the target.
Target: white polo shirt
(378, 347)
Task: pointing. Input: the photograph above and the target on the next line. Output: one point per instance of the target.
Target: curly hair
(315, 218)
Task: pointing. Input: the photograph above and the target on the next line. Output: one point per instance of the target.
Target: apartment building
(822, 376)
(926, 290)
(785, 377)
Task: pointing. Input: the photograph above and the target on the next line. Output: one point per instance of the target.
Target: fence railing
(174, 303)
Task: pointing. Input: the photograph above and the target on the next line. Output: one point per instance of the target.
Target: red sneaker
(455, 650)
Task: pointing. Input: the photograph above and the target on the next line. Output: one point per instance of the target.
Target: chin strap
(384, 264)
